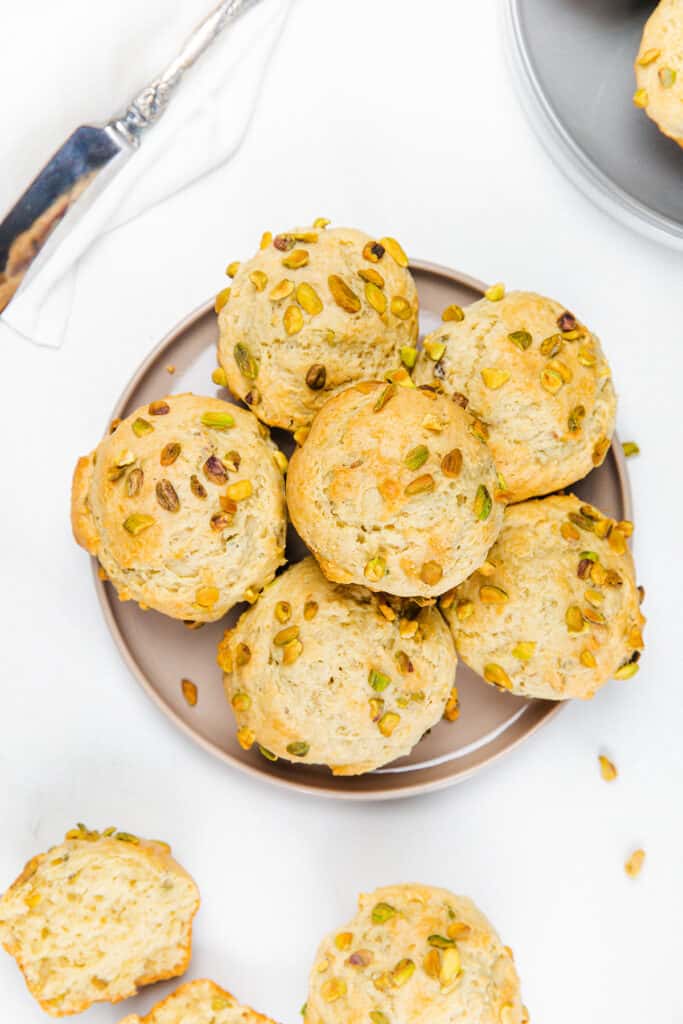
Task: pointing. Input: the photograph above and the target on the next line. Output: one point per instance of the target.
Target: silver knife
(70, 187)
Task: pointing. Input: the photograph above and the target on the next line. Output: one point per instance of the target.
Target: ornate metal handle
(151, 102)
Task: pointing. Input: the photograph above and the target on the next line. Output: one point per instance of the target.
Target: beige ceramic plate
(160, 651)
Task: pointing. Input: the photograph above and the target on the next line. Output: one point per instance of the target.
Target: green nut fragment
(268, 754)
(141, 427)
(522, 339)
(246, 363)
(482, 503)
(218, 420)
(378, 681)
(377, 1017)
(137, 522)
(408, 356)
(630, 448)
(417, 457)
(298, 749)
(126, 837)
(440, 941)
(382, 912)
(388, 393)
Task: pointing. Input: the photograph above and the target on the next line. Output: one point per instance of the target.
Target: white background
(399, 118)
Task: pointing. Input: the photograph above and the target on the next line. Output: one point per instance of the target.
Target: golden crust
(194, 557)
(60, 964)
(199, 1002)
(354, 491)
(548, 401)
(659, 68)
(343, 344)
(395, 960)
(315, 700)
(555, 607)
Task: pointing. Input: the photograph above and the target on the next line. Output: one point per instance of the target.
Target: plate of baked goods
(603, 85)
(385, 538)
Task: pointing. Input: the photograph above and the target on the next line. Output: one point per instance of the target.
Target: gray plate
(574, 60)
(161, 651)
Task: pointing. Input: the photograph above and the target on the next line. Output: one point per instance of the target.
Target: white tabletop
(399, 118)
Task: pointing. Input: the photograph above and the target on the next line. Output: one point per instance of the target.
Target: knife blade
(64, 207)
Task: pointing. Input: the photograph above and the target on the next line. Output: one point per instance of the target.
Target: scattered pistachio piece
(308, 299)
(630, 448)
(221, 299)
(140, 427)
(158, 408)
(495, 293)
(497, 675)
(453, 313)
(382, 912)
(258, 279)
(232, 268)
(298, 749)
(395, 251)
(219, 378)
(420, 485)
(241, 701)
(378, 681)
(296, 259)
(206, 597)
(137, 522)
(342, 294)
(482, 503)
(377, 298)
(452, 709)
(167, 496)
(634, 864)
(246, 363)
(648, 57)
(217, 420)
(494, 378)
(189, 691)
(608, 769)
(522, 339)
(316, 377)
(408, 356)
(417, 457)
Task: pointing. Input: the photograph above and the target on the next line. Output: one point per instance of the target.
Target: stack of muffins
(410, 485)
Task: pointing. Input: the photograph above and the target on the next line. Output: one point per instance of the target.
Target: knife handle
(148, 106)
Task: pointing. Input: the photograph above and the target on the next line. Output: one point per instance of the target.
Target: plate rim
(610, 197)
(545, 711)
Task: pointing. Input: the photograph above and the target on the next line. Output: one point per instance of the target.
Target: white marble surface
(401, 118)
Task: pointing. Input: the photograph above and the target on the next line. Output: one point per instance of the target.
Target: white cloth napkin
(91, 60)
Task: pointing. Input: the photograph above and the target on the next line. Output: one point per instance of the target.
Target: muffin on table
(322, 674)
(395, 489)
(537, 379)
(659, 69)
(414, 953)
(198, 1002)
(313, 311)
(183, 506)
(98, 916)
(554, 612)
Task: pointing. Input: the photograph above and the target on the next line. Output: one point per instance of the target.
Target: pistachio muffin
(659, 69)
(394, 488)
(96, 917)
(313, 311)
(414, 953)
(554, 612)
(199, 1002)
(183, 506)
(537, 380)
(321, 674)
